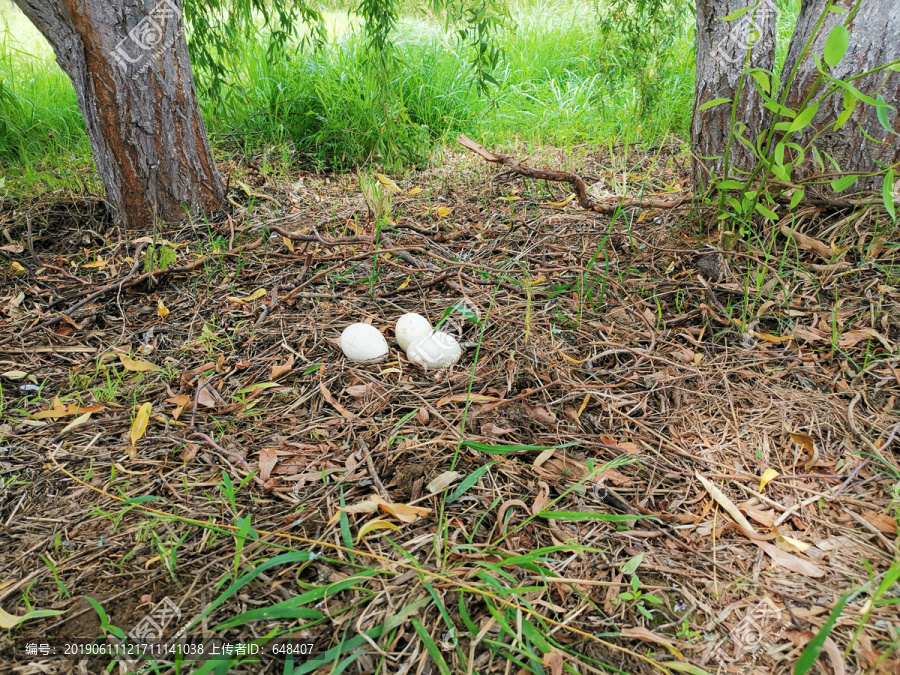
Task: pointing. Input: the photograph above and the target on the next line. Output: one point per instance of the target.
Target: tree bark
(874, 41)
(129, 63)
(721, 56)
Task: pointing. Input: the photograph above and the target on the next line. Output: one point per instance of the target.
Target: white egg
(363, 342)
(437, 350)
(411, 327)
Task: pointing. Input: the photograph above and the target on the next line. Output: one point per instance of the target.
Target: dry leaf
(851, 338)
(444, 211)
(880, 521)
(267, 460)
(278, 371)
(462, 398)
(542, 499)
(555, 468)
(337, 406)
(791, 562)
(414, 191)
(791, 545)
(540, 414)
(139, 426)
(808, 243)
(728, 505)
(492, 430)
(641, 633)
(405, 512)
(137, 365)
(423, 417)
(444, 481)
(553, 661)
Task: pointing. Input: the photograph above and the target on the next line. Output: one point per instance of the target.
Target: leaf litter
(614, 403)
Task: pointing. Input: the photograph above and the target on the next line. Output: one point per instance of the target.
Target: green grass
(561, 83)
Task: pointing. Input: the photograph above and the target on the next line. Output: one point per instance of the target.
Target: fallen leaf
(375, 525)
(728, 505)
(330, 399)
(853, 337)
(387, 182)
(423, 417)
(641, 633)
(287, 242)
(791, 562)
(255, 295)
(791, 545)
(139, 426)
(17, 268)
(444, 481)
(542, 499)
(137, 365)
(553, 661)
(768, 476)
(267, 460)
(161, 309)
(806, 442)
(278, 371)
(565, 202)
(95, 265)
(540, 414)
(81, 419)
(414, 191)
(492, 430)
(880, 521)
(808, 243)
(443, 211)
(405, 512)
(462, 398)
(555, 468)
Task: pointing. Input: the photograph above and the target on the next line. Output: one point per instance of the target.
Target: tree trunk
(129, 63)
(874, 41)
(721, 57)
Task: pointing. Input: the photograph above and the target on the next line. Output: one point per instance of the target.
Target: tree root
(564, 176)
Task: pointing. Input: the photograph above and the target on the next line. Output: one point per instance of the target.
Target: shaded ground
(624, 341)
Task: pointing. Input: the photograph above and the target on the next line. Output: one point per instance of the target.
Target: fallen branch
(564, 176)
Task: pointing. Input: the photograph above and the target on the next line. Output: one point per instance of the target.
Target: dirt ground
(721, 428)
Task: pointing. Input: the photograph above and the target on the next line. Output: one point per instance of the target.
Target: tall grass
(561, 83)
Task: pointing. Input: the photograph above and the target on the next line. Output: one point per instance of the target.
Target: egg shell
(363, 342)
(437, 350)
(410, 327)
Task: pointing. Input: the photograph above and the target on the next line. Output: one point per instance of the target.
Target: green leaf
(509, 449)
(714, 102)
(796, 198)
(736, 14)
(762, 80)
(261, 385)
(767, 212)
(631, 566)
(836, 45)
(469, 481)
(430, 645)
(842, 184)
(887, 193)
(729, 185)
(8, 621)
(849, 106)
(881, 111)
(804, 118)
(140, 500)
(313, 368)
(813, 647)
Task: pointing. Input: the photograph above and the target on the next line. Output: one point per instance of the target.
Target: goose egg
(409, 328)
(436, 350)
(363, 342)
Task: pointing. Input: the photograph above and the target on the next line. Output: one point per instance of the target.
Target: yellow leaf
(791, 545)
(773, 339)
(511, 198)
(404, 284)
(414, 191)
(388, 371)
(95, 265)
(444, 211)
(768, 476)
(565, 202)
(571, 360)
(375, 525)
(9, 621)
(255, 295)
(137, 365)
(387, 182)
(587, 397)
(288, 243)
(17, 268)
(161, 309)
(139, 426)
(81, 419)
